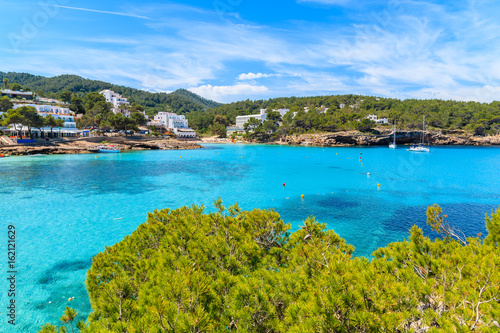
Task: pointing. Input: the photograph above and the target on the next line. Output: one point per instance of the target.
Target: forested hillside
(196, 98)
(313, 114)
(180, 101)
(344, 111)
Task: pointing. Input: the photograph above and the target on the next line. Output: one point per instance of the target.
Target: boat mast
(423, 131)
(394, 131)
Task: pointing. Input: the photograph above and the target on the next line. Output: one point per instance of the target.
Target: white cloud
(254, 76)
(224, 93)
(420, 50)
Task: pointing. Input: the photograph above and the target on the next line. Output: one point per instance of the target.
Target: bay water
(67, 208)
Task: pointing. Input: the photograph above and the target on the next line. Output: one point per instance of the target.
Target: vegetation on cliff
(342, 112)
(232, 270)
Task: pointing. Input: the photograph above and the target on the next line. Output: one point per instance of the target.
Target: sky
(230, 50)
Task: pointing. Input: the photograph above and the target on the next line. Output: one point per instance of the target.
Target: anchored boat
(108, 149)
(420, 147)
(393, 145)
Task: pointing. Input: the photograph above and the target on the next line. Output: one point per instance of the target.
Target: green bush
(231, 270)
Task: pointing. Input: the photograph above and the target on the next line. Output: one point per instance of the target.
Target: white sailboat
(420, 147)
(393, 145)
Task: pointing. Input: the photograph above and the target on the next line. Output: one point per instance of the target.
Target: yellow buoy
(379, 185)
(180, 156)
(241, 156)
(302, 196)
(95, 156)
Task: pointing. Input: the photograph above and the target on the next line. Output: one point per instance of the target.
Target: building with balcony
(178, 124)
(16, 94)
(117, 100)
(68, 129)
(262, 116)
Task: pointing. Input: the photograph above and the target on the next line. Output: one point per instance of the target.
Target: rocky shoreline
(88, 145)
(338, 139)
(383, 139)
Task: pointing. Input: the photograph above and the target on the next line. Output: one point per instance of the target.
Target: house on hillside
(17, 94)
(117, 100)
(374, 118)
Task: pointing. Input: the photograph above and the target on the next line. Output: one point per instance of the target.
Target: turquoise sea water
(67, 208)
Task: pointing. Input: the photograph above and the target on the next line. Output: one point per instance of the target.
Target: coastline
(336, 139)
(354, 138)
(88, 145)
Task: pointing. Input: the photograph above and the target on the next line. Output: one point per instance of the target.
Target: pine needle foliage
(185, 270)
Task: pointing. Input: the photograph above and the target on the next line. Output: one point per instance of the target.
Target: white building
(15, 94)
(262, 116)
(242, 120)
(374, 118)
(69, 127)
(117, 100)
(176, 123)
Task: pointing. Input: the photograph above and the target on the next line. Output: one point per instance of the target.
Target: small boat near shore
(393, 145)
(420, 147)
(107, 149)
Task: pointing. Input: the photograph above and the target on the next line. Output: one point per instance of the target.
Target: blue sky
(229, 50)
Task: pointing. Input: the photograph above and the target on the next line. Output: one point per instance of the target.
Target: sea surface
(67, 208)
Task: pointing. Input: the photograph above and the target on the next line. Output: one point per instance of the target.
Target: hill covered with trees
(312, 114)
(234, 270)
(180, 101)
(343, 112)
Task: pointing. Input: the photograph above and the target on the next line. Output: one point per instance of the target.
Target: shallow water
(67, 208)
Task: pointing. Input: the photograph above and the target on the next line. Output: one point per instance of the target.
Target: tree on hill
(5, 104)
(252, 124)
(138, 118)
(15, 86)
(5, 83)
(77, 104)
(52, 122)
(219, 119)
(91, 99)
(136, 107)
(65, 96)
(31, 119)
(14, 118)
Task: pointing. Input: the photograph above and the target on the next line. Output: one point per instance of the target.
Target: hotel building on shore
(67, 130)
(178, 124)
(242, 120)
